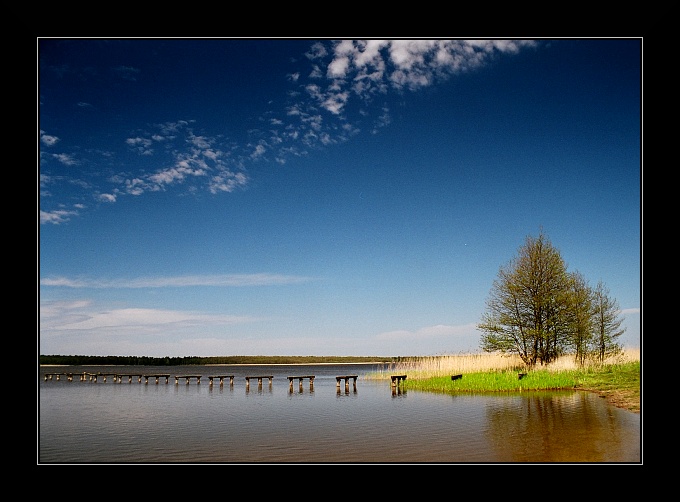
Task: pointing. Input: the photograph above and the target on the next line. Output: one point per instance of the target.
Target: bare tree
(607, 324)
(527, 307)
(581, 317)
(539, 311)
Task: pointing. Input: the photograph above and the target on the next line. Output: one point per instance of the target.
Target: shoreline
(225, 364)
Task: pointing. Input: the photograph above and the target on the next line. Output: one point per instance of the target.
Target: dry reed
(433, 366)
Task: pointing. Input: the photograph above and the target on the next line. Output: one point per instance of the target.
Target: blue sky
(320, 197)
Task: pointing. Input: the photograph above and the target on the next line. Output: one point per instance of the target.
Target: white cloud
(370, 53)
(55, 308)
(230, 280)
(65, 159)
(340, 65)
(427, 332)
(371, 66)
(258, 152)
(327, 102)
(317, 50)
(136, 317)
(141, 145)
(56, 217)
(429, 340)
(80, 327)
(48, 139)
(227, 181)
(107, 197)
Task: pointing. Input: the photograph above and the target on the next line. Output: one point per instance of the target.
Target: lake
(87, 422)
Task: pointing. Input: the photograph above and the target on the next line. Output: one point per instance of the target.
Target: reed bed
(617, 378)
(628, 355)
(447, 365)
(432, 366)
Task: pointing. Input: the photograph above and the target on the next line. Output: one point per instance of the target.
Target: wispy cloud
(427, 332)
(316, 114)
(47, 139)
(230, 280)
(70, 318)
(57, 216)
(136, 318)
(438, 339)
(126, 72)
(82, 326)
(66, 159)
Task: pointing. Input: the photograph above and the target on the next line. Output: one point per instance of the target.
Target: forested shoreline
(79, 360)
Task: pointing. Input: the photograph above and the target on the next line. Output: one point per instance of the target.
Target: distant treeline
(194, 360)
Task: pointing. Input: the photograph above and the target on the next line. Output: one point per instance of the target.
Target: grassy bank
(617, 380)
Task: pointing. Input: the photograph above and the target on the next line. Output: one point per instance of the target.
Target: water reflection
(398, 391)
(301, 390)
(83, 422)
(569, 426)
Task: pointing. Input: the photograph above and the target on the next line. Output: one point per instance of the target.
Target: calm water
(87, 422)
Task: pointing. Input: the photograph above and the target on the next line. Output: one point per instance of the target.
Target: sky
(215, 197)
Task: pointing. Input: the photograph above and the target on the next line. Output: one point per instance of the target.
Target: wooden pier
(118, 378)
(57, 376)
(222, 377)
(397, 379)
(259, 380)
(138, 376)
(188, 378)
(346, 378)
(157, 377)
(301, 378)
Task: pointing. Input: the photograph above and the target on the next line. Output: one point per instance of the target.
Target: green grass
(611, 377)
(617, 379)
(619, 383)
(623, 379)
(495, 381)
